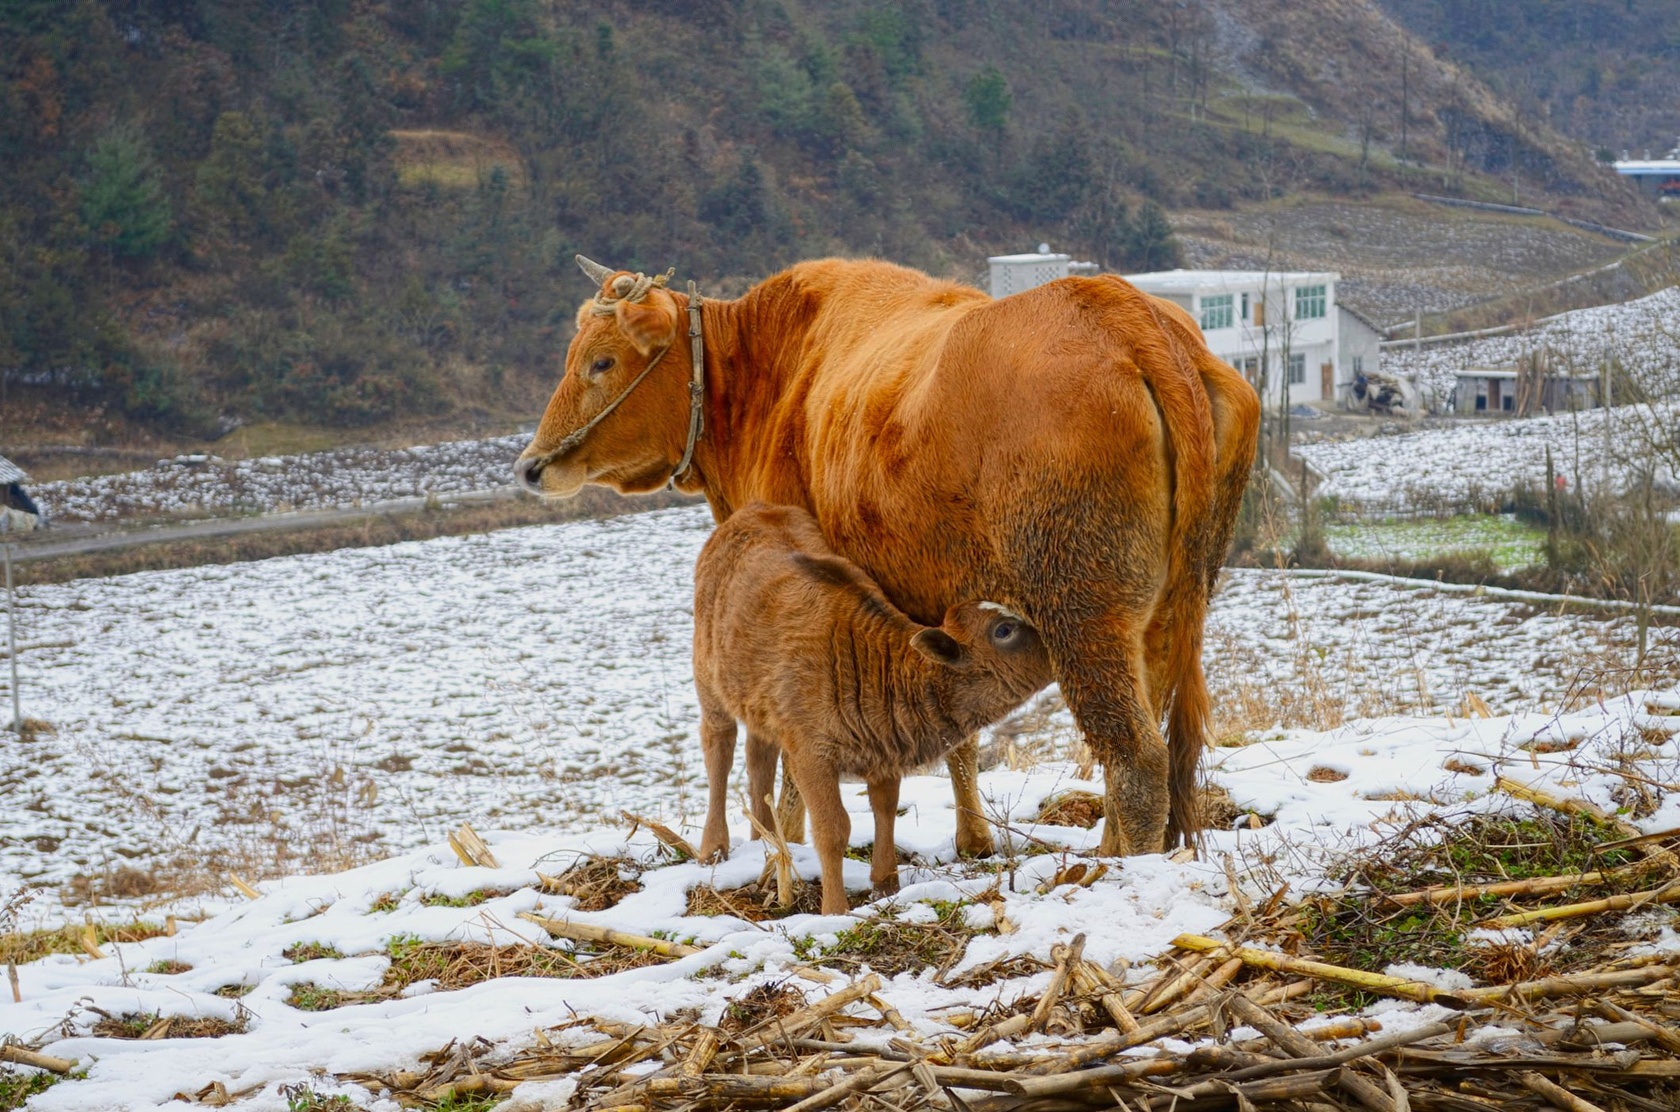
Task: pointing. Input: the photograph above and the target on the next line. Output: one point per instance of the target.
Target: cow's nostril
(528, 473)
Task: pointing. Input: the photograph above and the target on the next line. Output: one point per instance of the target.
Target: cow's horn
(593, 270)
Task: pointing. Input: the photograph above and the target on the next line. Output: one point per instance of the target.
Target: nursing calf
(801, 646)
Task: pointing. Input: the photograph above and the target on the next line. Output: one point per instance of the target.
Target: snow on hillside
(343, 477)
(294, 712)
(309, 937)
(1472, 464)
(1642, 336)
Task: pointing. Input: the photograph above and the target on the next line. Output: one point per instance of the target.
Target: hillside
(1601, 71)
(345, 213)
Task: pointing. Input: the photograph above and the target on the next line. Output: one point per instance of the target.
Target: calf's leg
(761, 777)
(974, 833)
(831, 827)
(717, 744)
(883, 865)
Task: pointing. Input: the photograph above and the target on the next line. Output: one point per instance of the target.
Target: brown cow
(804, 649)
(1073, 451)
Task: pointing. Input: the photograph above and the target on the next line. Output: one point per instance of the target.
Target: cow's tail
(1177, 368)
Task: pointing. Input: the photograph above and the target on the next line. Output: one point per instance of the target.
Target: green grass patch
(471, 899)
(892, 946)
(310, 951)
(1510, 545)
(17, 1086)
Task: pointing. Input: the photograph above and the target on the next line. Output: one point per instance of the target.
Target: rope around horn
(630, 288)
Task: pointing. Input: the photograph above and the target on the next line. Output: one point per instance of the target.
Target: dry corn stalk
(471, 849)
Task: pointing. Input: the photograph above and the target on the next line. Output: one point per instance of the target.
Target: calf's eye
(602, 365)
(1003, 632)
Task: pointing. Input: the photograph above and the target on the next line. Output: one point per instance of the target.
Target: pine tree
(123, 204)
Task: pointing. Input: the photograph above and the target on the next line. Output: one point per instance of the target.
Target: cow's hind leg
(1099, 662)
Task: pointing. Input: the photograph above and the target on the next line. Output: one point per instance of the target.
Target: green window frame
(1311, 302)
(1217, 311)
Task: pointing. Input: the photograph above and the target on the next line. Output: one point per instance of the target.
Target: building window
(1244, 315)
(1359, 364)
(1309, 302)
(1297, 370)
(1216, 312)
(1250, 368)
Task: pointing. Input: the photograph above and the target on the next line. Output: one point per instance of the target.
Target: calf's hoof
(712, 853)
(974, 838)
(886, 886)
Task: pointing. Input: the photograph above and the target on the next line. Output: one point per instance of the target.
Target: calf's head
(629, 327)
(992, 660)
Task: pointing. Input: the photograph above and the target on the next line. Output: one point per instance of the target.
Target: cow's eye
(601, 366)
(1003, 632)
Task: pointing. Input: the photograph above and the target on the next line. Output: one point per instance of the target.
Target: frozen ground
(195, 487)
(1641, 336)
(1389, 770)
(1469, 465)
(291, 714)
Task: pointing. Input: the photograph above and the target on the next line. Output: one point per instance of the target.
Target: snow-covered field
(343, 477)
(1469, 464)
(293, 713)
(1391, 769)
(1642, 336)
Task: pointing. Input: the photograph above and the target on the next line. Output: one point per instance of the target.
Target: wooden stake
(586, 932)
(857, 1083)
(245, 890)
(1557, 1094)
(1358, 978)
(1066, 956)
(1665, 895)
(1534, 886)
(1297, 1045)
(12, 977)
(23, 1056)
(676, 842)
(1568, 985)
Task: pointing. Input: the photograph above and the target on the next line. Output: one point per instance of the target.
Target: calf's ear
(940, 647)
(646, 324)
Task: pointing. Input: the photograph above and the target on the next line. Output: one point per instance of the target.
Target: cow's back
(932, 417)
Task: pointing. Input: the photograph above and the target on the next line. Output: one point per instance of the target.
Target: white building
(1013, 273)
(1289, 319)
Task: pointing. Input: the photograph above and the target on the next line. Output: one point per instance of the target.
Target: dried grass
(149, 1025)
(595, 882)
(27, 946)
(1072, 808)
(456, 965)
(753, 902)
(759, 1005)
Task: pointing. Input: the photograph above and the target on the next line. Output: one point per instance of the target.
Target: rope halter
(635, 288)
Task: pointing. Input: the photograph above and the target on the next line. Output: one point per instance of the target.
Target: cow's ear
(647, 324)
(940, 647)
